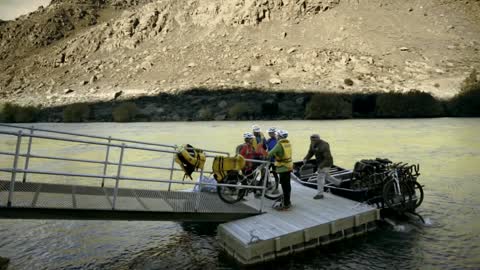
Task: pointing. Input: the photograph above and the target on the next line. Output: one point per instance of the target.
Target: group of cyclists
(278, 150)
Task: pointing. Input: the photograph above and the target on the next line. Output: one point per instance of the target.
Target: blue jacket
(271, 142)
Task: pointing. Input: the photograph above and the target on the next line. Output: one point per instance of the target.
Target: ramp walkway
(28, 197)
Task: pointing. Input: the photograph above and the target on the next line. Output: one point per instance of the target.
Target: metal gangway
(113, 193)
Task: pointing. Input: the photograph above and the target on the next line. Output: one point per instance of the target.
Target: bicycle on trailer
(401, 190)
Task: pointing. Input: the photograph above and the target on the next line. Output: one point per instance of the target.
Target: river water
(447, 149)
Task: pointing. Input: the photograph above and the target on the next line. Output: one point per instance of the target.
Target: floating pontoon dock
(309, 223)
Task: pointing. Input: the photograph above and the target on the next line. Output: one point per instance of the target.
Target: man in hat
(321, 150)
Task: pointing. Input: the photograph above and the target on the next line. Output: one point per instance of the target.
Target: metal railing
(109, 141)
(118, 177)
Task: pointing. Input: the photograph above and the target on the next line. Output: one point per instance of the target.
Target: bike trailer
(223, 165)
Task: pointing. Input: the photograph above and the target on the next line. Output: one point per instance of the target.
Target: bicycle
(401, 191)
(233, 194)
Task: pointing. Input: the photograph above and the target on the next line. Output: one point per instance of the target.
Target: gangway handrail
(107, 138)
(127, 178)
(92, 142)
(118, 177)
(92, 161)
(96, 143)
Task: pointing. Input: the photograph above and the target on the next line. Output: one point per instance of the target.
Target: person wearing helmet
(283, 163)
(259, 143)
(271, 142)
(324, 159)
(247, 151)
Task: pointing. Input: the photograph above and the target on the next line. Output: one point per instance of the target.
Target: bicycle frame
(394, 174)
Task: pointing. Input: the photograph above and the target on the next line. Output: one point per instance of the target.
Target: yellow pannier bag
(190, 159)
(222, 165)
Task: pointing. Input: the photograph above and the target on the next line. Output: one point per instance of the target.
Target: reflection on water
(447, 149)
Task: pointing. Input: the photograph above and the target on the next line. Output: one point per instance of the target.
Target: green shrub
(78, 112)
(13, 113)
(2, 113)
(411, 104)
(243, 110)
(125, 112)
(269, 109)
(363, 105)
(470, 83)
(328, 106)
(205, 114)
(467, 101)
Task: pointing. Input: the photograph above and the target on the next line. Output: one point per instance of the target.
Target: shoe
(318, 197)
(278, 207)
(287, 207)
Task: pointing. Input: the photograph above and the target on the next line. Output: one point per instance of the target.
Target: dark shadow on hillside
(199, 104)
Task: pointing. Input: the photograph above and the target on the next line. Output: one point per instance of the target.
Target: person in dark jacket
(321, 150)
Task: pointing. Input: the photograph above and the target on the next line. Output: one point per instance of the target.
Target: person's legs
(320, 183)
(331, 179)
(286, 187)
(275, 175)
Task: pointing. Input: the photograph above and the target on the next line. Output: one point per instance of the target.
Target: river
(448, 150)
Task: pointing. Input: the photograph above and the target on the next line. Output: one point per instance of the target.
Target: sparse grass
(125, 112)
(78, 112)
(329, 106)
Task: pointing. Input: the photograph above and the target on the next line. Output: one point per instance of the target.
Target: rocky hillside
(95, 50)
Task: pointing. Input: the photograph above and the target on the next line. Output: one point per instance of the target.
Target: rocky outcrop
(253, 12)
(43, 27)
(97, 48)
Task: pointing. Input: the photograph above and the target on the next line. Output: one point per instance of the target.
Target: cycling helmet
(248, 135)
(282, 133)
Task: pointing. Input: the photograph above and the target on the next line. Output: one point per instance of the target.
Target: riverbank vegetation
(78, 112)
(13, 113)
(201, 104)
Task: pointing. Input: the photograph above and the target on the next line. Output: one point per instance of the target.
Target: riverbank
(201, 104)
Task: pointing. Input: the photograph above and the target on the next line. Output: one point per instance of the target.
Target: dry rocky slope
(88, 50)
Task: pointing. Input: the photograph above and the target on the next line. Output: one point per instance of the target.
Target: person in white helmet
(284, 166)
(271, 142)
(247, 151)
(259, 142)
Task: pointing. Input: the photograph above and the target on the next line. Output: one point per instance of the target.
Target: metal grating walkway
(54, 201)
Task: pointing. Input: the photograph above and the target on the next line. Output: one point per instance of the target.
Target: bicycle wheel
(232, 194)
(399, 200)
(272, 190)
(417, 193)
